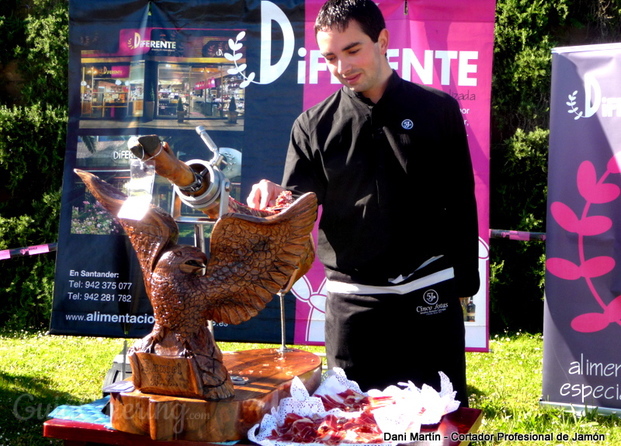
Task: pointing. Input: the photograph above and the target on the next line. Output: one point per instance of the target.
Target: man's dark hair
(336, 14)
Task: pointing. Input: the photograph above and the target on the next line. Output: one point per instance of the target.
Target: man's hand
(264, 194)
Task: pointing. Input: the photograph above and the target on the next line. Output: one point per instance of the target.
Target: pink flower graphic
(594, 191)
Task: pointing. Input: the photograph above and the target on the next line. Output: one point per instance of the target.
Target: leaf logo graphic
(235, 46)
(594, 190)
(572, 106)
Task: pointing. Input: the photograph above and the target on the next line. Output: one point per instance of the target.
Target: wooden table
(75, 433)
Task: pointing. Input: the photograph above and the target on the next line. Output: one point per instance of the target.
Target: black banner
(134, 65)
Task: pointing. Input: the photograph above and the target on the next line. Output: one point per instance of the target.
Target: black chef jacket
(395, 182)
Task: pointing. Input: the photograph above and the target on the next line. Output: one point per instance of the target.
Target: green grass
(39, 373)
(506, 385)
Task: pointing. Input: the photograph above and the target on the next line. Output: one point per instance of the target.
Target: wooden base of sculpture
(167, 363)
(261, 379)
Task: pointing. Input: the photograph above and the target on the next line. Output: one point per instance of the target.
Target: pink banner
(447, 45)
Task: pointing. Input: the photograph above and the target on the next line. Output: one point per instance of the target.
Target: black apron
(384, 339)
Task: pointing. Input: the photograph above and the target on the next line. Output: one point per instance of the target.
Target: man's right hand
(264, 194)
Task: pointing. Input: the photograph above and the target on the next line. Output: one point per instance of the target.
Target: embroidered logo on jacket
(407, 124)
(434, 306)
(431, 297)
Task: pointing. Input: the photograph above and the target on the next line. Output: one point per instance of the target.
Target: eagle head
(182, 258)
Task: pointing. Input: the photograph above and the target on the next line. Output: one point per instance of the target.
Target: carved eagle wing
(253, 258)
(151, 235)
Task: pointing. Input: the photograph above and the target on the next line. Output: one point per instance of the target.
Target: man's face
(355, 60)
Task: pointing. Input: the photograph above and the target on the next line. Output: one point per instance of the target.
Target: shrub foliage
(33, 121)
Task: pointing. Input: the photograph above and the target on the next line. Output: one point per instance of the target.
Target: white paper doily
(406, 406)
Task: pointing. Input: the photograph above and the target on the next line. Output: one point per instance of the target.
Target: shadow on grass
(25, 403)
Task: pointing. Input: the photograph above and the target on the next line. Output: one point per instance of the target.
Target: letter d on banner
(592, 95)
(272, 13)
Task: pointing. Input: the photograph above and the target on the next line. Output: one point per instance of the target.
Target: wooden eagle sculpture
(251, 257)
